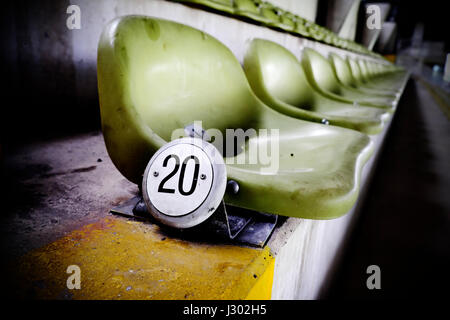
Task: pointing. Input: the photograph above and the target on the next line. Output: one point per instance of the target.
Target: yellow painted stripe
(262, 290)
(123, 259)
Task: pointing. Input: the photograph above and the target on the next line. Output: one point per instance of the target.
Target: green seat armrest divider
(157, 76)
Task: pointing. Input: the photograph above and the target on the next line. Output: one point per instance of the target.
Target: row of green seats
(265, 13)
(312, 89)
(156, 76)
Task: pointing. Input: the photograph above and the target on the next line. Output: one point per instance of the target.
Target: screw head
(155, 174)
(232, 187)
(203, 176)
(325, 122)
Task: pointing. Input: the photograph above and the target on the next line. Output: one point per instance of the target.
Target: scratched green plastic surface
(155, 76)
(278, 79)
(322, 77)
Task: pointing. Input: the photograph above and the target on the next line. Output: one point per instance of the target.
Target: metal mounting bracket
(233, 224)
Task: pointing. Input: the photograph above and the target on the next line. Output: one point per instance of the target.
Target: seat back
(170, 90)
(155, 76)
(287, 19)
(268, 11)
(342, 70)
(364, 72)
(274, 70)
(246, 5)
(370, 68)
(319, 71)
(356, 71)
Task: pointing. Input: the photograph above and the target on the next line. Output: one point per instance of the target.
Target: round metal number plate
(184, 182)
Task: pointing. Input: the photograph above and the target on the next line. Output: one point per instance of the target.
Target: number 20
(182, 173)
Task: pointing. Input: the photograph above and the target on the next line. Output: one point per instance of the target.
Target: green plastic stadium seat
(249, 9)
(316, 32)
(263, 12)
(346, 79)
(287, 21)
(156, 76)
(301, 26)
(278, 79)
(391, 82)
(270, 13)
(381, 76)
(322, 77)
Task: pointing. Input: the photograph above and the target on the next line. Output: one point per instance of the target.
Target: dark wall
(41, 98)
(407, 13)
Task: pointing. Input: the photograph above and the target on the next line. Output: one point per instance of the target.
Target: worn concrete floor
(404, 227)
(51, 188)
